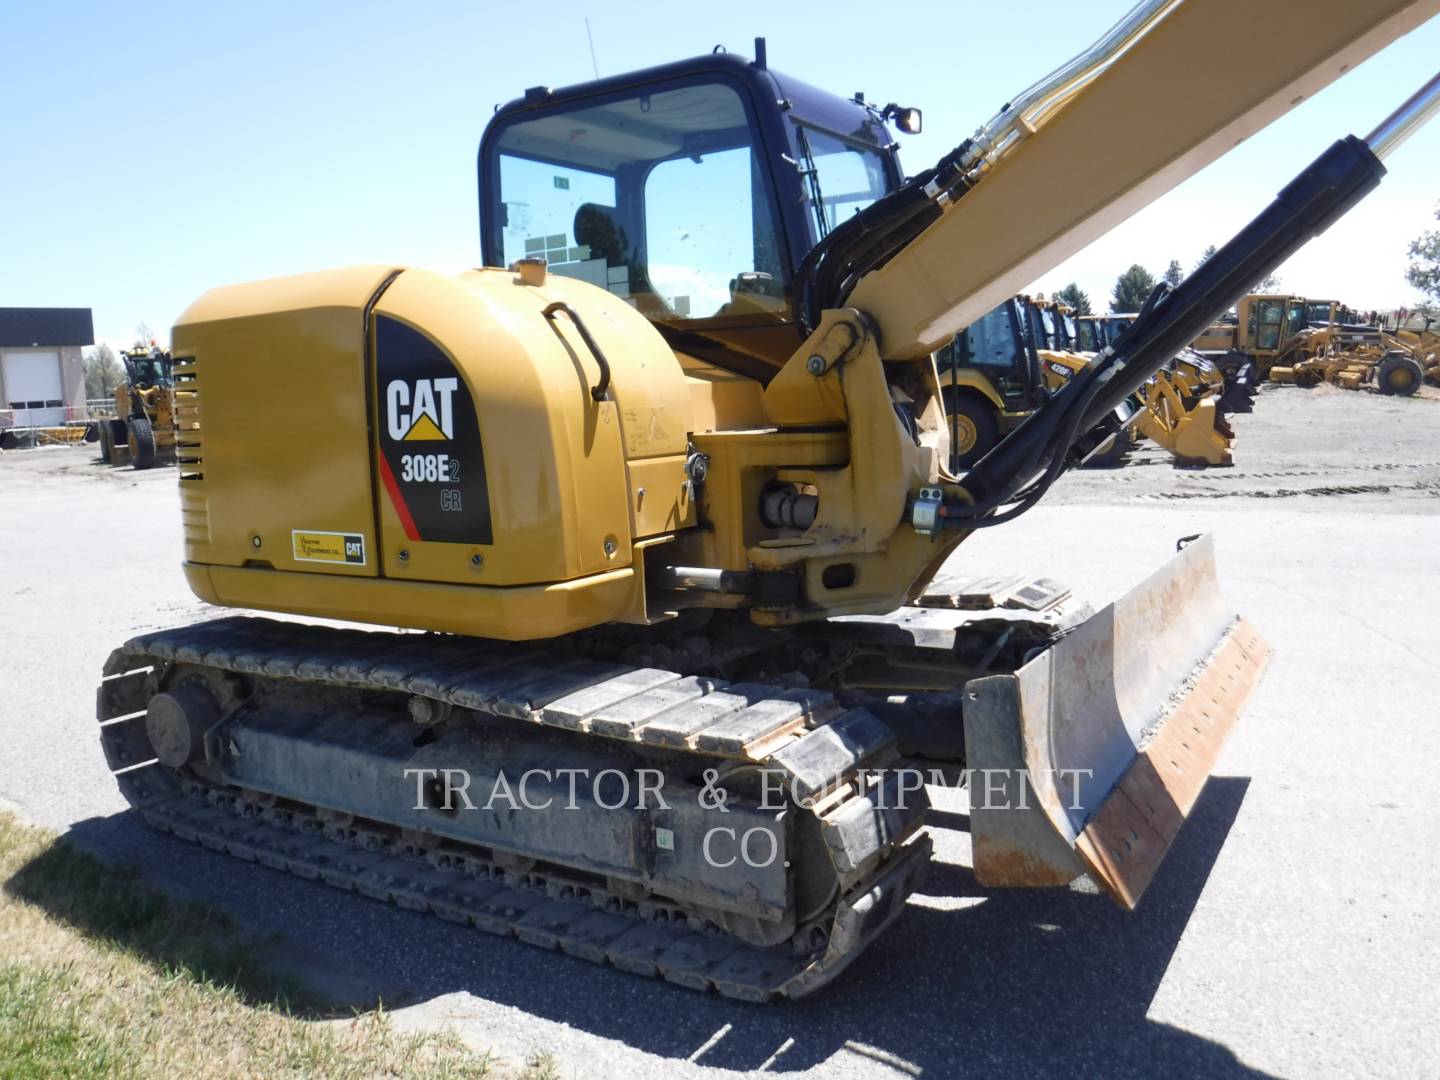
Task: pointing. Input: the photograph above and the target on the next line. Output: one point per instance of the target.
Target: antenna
(591, 38)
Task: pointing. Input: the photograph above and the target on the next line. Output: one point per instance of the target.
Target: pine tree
(1173, 274)
(1132, 289)
(1073, 296)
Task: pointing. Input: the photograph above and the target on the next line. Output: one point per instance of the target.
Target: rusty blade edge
(1123, 843)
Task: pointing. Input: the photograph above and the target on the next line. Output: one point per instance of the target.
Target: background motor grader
(657, 504)
(1338, 349)
(143, 430)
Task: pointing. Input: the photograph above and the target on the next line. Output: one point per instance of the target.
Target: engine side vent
(188, 443)
(190, 454)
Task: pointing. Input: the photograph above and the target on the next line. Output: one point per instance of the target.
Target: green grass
(41, 1036)
(102, 976)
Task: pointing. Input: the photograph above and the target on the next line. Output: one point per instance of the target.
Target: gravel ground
(1291, 930)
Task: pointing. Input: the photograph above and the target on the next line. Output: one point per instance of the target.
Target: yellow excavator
(660, 498)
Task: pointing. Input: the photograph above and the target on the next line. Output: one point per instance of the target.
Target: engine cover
(368, 436)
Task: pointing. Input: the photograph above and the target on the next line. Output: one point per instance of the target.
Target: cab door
(1267, 324)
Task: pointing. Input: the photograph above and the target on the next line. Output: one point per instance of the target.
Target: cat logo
(422, 414)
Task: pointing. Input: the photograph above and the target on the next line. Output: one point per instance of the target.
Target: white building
(42, 373)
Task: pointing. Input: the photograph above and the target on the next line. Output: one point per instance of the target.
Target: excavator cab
(601, 179)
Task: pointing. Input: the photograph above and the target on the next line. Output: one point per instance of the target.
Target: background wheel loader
(621, 492)
(143, 430)
(1422, 344)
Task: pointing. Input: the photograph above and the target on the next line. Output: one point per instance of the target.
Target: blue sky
(153, 150)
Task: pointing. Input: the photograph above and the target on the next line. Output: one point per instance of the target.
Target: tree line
(1135, 284)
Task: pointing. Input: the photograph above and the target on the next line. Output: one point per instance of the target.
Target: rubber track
(882, 854)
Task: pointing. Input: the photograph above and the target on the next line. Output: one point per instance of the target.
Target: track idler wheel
(177, 720)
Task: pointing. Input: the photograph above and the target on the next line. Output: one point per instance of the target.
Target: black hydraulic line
(1044, 443)
(869, 239)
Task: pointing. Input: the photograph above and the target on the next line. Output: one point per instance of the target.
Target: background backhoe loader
(1182, 407)
(623, 490)
(997, 371)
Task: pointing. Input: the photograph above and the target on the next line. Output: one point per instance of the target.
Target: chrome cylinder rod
(1406, 120)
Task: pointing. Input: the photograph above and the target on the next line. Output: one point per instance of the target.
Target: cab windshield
(1047, 329)
(659, 198)
(148, 369)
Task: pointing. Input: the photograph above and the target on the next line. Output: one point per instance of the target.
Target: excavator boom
(1017, 222)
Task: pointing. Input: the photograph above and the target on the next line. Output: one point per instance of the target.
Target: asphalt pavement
(1291, 930)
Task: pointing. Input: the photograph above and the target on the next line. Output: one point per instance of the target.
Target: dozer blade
(1116, 728)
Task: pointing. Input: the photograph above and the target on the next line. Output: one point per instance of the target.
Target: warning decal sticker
(431, 461)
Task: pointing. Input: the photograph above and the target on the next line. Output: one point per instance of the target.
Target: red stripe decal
(398, 500)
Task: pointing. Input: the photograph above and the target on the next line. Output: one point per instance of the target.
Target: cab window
(609, 193)
(1297, 317)
(1266, 319)
(992, 343)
